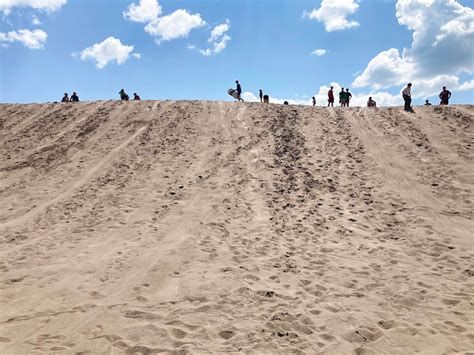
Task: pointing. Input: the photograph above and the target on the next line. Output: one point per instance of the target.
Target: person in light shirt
(406, 94)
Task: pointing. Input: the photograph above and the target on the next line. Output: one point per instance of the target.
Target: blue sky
(268, 44)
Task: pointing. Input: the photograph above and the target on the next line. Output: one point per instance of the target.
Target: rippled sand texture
(140, 227)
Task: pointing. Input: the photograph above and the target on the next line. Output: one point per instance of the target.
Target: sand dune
(140, 227)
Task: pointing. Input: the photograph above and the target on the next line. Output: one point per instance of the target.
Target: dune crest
(141, 227)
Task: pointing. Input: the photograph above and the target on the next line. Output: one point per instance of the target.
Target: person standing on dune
(406, 94)
(331, 97)
(444, 96)
(348, 97)
(342, 97)
(261, 95)
(239, 91)
(314, 101)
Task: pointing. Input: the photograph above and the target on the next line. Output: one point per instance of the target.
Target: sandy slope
(217, 227)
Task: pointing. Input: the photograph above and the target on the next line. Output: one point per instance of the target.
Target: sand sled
(233, 93)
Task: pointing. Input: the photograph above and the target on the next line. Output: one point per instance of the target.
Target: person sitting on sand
(65, 98)
(123, 95)
(427, 103)
(371, 102)
(444, 96)
(74, 97)
(348, 97)
(136, 97)
(331, 97)
(260, 93)
(314, 101)
(342, 97)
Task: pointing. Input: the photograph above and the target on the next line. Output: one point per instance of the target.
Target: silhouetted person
(371, 102)
(331, 97)
(427, 103)
(239, 91)
(342, 97)
(65, 98)
(348, 97)
(261, 95)
(285, 103)
(406, 94)
(314, 101)
(444, 96)
(74, 97)
(136, 97)
(123, 95)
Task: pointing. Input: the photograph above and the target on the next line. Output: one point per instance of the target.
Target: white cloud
(46, 5)
(145, 11)
(468, 85)
(319, 52)
(32, 39)
(333, 13)
(110, 50)
(440, 51)
(219, 39)
(176, 25)
(219, 30)
(35, 21)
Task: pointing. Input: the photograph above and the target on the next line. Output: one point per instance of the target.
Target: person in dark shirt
(136, 97)
(123, 95)
(74, 97)
(239, 91)
(342, 97)
(444, 96)
(371, 102)
(348, 97)
(314, 101)
(427, 103)
(331, 97)
(65, 98)
(261, 95)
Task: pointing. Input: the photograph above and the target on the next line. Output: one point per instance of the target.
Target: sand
(211, 227)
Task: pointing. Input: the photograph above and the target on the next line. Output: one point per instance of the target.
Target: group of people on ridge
(73, 98)
(124, 96)
(444, 96)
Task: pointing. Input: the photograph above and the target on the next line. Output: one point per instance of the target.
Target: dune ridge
(196, 226)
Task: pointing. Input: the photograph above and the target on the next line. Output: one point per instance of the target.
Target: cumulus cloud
(467, 85)
(32, 39)
(145, 11)
(110, 50)
(218, 39)
(47, 5)
(334, 14)
(440, 51)
(319, 52)
(176, 25)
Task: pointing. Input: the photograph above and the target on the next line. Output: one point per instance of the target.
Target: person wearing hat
(74, 97)
(65, 98)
